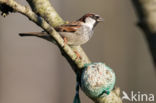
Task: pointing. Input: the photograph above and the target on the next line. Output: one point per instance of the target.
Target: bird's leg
(65, 40)
(78, 55)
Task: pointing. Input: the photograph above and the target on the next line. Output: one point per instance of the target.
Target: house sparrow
(77, 32)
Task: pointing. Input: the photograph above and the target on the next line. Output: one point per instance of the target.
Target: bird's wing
(70, 27)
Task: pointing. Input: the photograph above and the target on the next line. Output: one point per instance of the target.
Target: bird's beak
(100, 19)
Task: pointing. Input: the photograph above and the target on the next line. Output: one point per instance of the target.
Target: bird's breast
(81, 36)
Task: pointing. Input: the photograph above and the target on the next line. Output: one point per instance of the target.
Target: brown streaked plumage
(70, 27)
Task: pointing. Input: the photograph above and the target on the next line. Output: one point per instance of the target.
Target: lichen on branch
(40, 6)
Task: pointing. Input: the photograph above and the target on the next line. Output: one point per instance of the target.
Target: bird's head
(91, 19)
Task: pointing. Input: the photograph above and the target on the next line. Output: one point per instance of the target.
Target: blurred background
(32, 70)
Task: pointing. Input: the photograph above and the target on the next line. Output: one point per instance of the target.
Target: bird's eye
(97, 17)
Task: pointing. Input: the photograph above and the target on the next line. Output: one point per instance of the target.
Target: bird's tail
(39, 34)
(42, 35)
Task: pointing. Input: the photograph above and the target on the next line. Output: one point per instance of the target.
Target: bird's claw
(77, 55)
(65, 40)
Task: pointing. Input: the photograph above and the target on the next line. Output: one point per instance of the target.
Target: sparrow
(77, 32)
(74, 33)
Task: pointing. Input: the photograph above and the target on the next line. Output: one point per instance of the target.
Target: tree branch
(45, 10)
(50, 30)
(45, 16)
(40, 6)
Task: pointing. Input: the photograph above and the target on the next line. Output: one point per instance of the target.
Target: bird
(77, 32)
(80, 31)
(74, 33)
